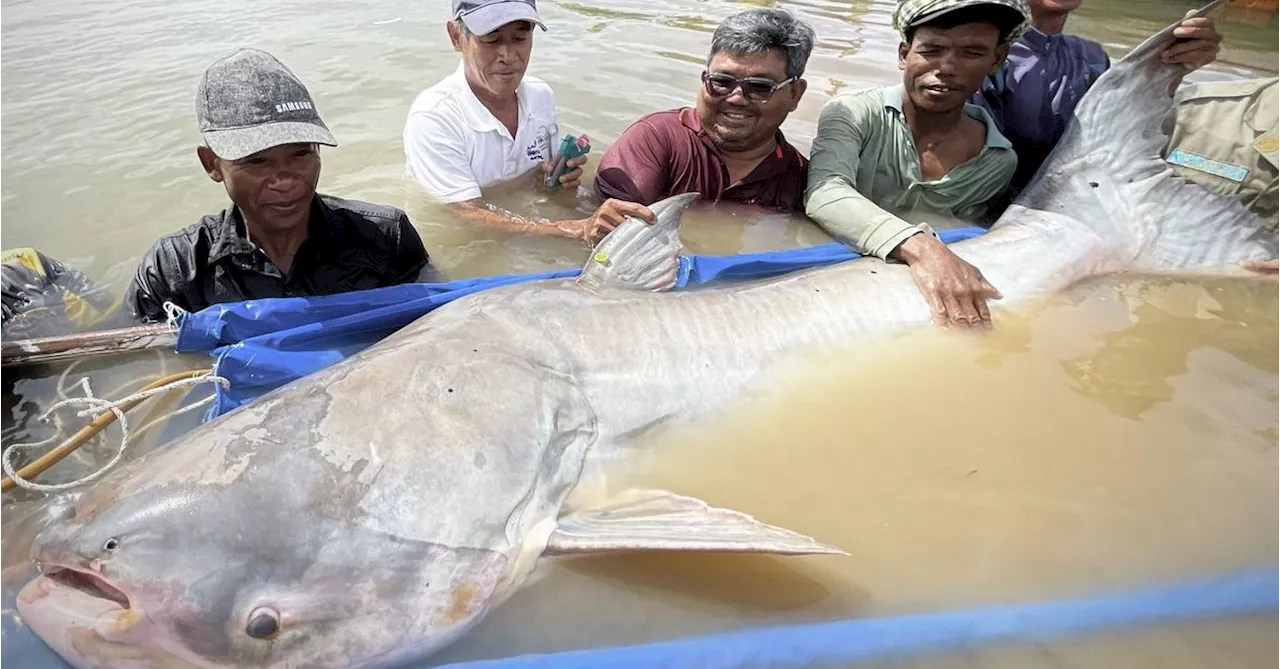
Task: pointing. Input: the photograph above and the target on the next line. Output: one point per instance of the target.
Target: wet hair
(1005, 19)
(758, 30)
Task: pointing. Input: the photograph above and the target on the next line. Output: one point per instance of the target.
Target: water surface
(1120, 435)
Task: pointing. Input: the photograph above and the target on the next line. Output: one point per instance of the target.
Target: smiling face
(943, 67)
(494, 62)
(273, 188)
(736, 123)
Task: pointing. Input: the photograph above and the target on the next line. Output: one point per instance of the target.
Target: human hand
(1267, 268)
(610, 215)
(571, 178)
(1198, 43)
(956, 291)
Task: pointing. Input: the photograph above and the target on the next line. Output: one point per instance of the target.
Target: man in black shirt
(279, 238)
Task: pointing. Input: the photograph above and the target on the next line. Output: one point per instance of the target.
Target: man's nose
(947, 65)
(506, 52)
(737, 96)
(284, 179)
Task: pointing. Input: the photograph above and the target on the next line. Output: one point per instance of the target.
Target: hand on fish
(1198, 45)
(1268, 268)
(610, 215)
(956, 291)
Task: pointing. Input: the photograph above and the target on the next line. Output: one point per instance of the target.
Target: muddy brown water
(1122, 434)
(1117, 436)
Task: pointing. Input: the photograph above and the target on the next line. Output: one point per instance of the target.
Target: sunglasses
(754, 89)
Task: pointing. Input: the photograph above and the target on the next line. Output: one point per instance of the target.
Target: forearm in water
(488, 215)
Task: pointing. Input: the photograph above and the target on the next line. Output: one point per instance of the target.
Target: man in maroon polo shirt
(729, 147)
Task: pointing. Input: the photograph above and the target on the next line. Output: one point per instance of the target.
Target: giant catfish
(372, 512)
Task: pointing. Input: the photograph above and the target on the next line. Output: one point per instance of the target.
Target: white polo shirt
(454, 146)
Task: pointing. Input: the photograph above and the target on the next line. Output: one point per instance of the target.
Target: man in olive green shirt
(863, 134)
(889, 165)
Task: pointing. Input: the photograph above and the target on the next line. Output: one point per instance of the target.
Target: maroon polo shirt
(667, 153)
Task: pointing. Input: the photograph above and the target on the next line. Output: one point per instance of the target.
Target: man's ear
(210, 162)
(1002, 52)
(797, 91)
(903, 50)
(455, 36)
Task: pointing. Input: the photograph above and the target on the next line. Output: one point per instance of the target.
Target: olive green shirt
(864, 183)
(1224, 135)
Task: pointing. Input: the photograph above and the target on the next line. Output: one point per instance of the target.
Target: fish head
(330, 523)
(238, 575)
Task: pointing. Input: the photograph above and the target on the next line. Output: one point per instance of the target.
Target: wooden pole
(82, 344)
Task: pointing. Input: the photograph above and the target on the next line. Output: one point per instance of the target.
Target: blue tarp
(260, 345)
(844, 642)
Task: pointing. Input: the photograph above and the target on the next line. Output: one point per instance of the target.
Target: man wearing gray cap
(279, 238)
(489, 123)
(890, 164)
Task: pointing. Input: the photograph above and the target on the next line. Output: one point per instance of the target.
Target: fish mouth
(87, 583)
(88, 621)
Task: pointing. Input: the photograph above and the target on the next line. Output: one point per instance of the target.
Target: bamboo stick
(83, 344)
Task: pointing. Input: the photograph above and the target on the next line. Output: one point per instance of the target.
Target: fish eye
(264, 623)
(111, 544)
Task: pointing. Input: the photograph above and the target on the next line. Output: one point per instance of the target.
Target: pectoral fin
(645, 520)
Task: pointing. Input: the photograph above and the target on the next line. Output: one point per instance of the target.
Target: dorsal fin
(638, 255)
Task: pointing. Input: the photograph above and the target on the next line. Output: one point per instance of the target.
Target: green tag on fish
(601, 257)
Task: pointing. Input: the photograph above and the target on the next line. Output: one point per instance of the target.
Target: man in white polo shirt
(488, 123)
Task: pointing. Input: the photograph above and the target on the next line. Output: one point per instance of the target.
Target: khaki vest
(1224, 135)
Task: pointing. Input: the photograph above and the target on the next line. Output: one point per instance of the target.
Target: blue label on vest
(1230, 171)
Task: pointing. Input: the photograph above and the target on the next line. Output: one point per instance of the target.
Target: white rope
(79, 454)
(62, 378)
(97, 406)
(172, 314)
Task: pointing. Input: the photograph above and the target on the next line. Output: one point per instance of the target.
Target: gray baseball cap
(249, 102)
(485, 16)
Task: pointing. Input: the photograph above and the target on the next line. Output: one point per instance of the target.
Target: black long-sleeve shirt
(350, 245)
